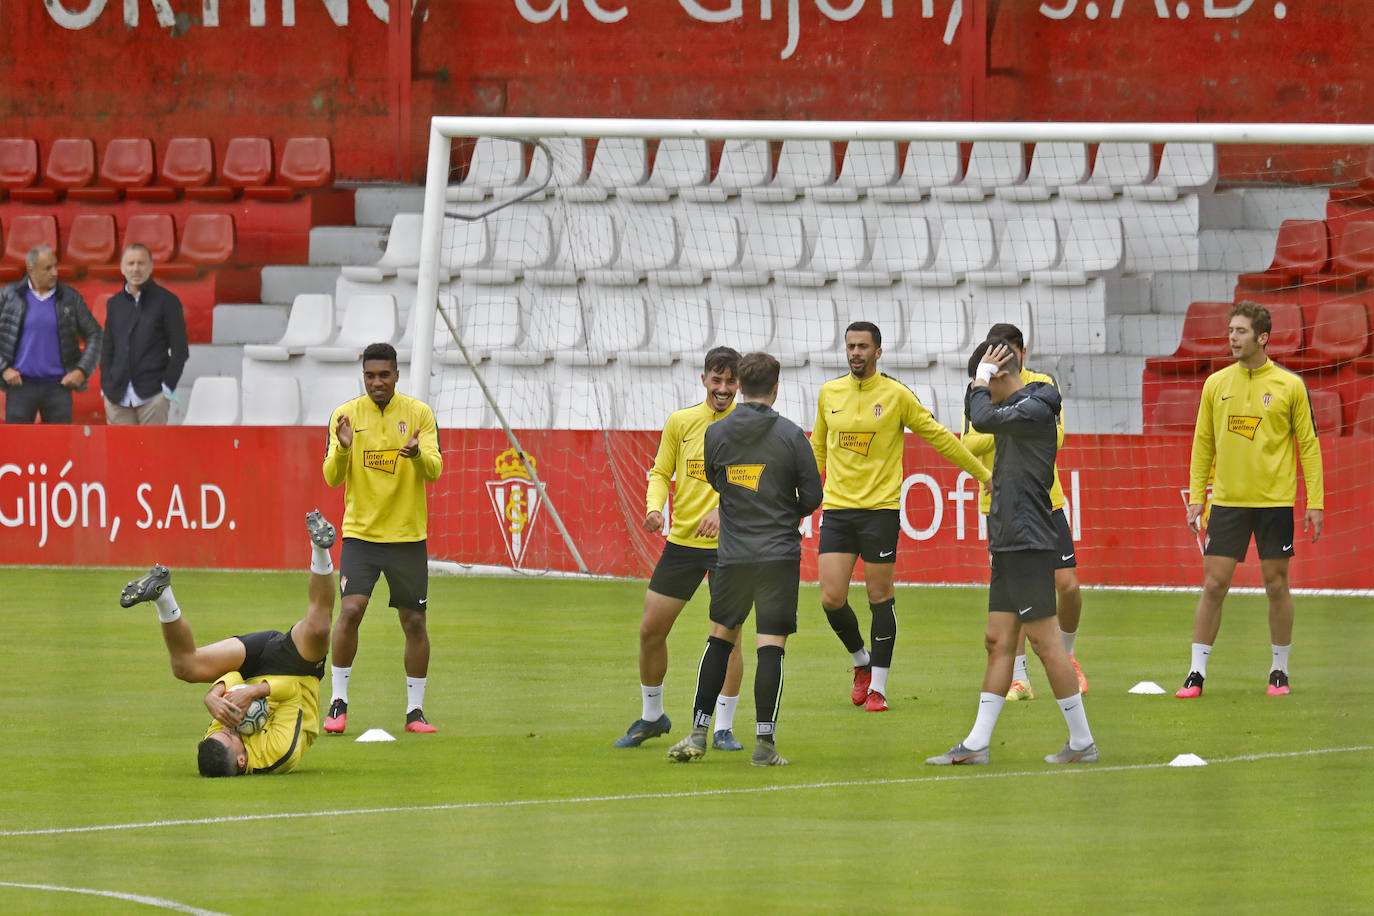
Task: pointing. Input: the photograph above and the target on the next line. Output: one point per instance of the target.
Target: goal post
(572, 273)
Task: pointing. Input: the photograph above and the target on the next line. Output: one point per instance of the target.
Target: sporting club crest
(515, 500)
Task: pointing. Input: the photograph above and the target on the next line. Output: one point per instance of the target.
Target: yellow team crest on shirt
(1245, 426)
(744, 475)
(859, 443)
(381, 459)
(696, 467)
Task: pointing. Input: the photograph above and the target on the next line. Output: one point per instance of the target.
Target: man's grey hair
(36, 252)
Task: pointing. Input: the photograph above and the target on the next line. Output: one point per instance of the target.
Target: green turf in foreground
(533, 811)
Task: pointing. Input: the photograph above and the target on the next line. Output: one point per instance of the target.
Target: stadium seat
(1205, 338)
(187, 162)
(127, 163)
(616, 321)
(1023, 246)
(523, 395)
(1352, 257)
(465, 244)
(1118, 166)
(900, 245)
(772, 243)
(460, 404)
(743, 320)
(1336, 332)
(497, 164)
(157, 231)
(550, 322)
(647, 243)
(1093, 247)
(586, 240)
(585, 399)
(214, 402)
(619, 162)
(710, 242)
(567, 170)
(1364, 416)
(521, 239)
(207, 240)
(803, 165)
(367, 319)
(246, 163)
(887, 312)
(70, 164)
(1174, 410)
(1302, 248)
(18, 164)
(802, 325)
(306, 162)
(926, 165)
(1326, 411)
(656, 395)
(949, 329)
(841, 244)
(1053, 165)
(743, 164)
(983, 313)
(488, 320)
(402, 250)
(991, 165)
(867, 164)
(310, 323)
(23, 233)
(680, 162)
(1285, 339)
(797, 391)
(90, 243)
(321, 394)
(679, 328)
(270, 400)
(1184, 168)
(965, 244)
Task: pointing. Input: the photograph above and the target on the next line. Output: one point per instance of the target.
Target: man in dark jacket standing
(1023, 543)
(145, 345)
(765, 472)
(43, 325)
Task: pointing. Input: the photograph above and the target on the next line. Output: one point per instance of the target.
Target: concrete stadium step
(334, 245)
(1100, 375)
(1260, 208)
(239, 323)
(1241, 250)
(1172, 291)
(375, 205)
(281, 284)
(1100, 416)
(1144, 335)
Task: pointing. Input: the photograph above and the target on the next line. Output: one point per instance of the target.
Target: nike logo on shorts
(1287, 546)
(888, 554)
(1067, 556)
(1025, 610)
(881, 638)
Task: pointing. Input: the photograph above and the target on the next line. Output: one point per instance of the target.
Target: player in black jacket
(1022, 541)
(765, 472)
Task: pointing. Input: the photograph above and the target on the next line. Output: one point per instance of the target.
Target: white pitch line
(117, 895)
(963, 774)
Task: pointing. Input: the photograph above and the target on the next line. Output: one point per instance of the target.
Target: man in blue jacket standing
(765, 472)
(145, 345)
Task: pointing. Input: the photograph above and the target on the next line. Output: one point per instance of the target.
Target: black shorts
(406, 566)
(1065, 555)
(1229, 529)
(274, 652)
(680, 570)
(770, 587)
(1022, 583)
(870, 533)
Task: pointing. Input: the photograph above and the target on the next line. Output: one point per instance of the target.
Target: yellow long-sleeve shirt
(384, 500)
(680, 454)
(858, 441)
(293, 722)
(984, 448)
(1246, 424)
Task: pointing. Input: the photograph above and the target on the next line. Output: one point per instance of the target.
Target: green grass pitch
(519, 804)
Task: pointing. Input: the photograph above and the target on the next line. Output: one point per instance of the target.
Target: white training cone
(375, 734)
(1187, 760)
(1146, 687)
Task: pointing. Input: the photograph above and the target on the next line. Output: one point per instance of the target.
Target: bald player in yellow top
(1068, 596)
(689, 554)
(1249, 416)
(384, 448)
(282, 668)
(858, 441)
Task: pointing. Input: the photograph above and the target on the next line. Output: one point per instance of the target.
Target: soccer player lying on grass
(282, 668)
(1023, 543)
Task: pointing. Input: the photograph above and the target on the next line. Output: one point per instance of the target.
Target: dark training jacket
(145, 343)
(762, 465)
(1023, 429)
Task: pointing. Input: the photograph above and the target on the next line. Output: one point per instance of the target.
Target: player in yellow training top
(283, 668)
(1068, 597)
(858, 441)
(1249, 416)
(689, 554)
(384, 447)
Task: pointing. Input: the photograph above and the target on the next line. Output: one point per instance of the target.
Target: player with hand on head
(1069, 598)
(282, 668)
(1022, 542)
(689, 555)
(384, 446)
(858, 442)
(1249, 417)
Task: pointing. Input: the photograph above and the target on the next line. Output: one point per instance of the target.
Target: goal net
(573, 273)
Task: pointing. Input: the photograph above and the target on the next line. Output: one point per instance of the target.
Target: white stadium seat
(496, 164)
(309, 323)
(214, 402)
(991, 165)
(367, 319)
(867, 164)
(927, 165)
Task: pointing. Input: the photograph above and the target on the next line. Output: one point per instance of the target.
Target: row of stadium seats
(187, 169)
(92, 245)
(1314, 253)
(766, 172)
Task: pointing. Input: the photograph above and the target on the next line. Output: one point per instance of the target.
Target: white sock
(1080, 736)
(1200, 653)
(1068, 640)
(1018, 671)
(989, 708)
(320, 562)
(725, 712)
(879, 682)
(652, 698)
(1280, 657)
(861, 658)
(338, 677)
(415, 692)
(167, 609)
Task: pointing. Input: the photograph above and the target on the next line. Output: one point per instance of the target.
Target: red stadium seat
(306, 163)
(1303, 247)
(247, 163)
(1204, 340)
(187, 162)
(90, 243)
(1352, 257)
(71, 164)
(1364, 416)
(1326, 411)
(1286, 337)
(24, 232)
(18, 163)
(1337, 332)
(207, 239)
(1174, 409)
(127, 163)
